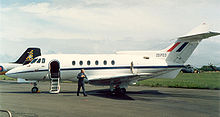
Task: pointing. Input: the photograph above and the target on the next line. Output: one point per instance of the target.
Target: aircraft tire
(123, 91)
(34, 90)
(120, 91)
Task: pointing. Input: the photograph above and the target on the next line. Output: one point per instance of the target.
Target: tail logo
(30, 56)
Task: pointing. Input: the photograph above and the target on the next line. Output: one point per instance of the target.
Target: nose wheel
(34, 89)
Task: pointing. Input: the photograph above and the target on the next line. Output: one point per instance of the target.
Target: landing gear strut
(34, 89)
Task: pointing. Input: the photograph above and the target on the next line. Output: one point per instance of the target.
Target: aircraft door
(54, 69)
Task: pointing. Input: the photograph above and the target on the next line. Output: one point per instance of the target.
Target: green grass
(205, 80)
(3, 77)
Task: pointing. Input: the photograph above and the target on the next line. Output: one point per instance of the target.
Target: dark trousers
(81, 84)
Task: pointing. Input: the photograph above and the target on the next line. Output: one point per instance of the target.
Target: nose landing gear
(34, 89)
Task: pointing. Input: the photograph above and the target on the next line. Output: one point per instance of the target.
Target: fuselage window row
(89, 62)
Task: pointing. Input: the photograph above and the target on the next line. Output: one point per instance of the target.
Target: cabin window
(81, 62)
(105, 62)
(113, 62)
(88, 62)
(33, 61)
(39, 60)
(73, 62)
(43, 60)
(96, 62)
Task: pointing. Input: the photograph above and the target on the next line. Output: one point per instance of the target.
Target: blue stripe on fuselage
(103, 68)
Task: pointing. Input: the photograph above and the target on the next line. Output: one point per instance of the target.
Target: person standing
(81, 77)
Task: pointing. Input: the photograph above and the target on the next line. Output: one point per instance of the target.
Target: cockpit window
(33, 61)
(43, 60)
(39, 60)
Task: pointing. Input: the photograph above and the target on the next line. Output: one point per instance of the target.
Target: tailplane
(29, 55)
(182, 49)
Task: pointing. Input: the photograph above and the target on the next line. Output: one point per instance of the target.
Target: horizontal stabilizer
(199, 36)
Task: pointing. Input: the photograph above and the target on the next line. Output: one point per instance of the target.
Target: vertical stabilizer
(182, 49)
(29, 55)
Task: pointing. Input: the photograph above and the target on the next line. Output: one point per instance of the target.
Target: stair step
(54, 85)
(55, 80)
(53, 90)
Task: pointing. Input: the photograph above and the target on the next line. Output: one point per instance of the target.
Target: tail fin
(184, 46)
(29, 55)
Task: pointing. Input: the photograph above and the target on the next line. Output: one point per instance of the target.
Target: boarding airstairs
(54, 75)
(54, 85)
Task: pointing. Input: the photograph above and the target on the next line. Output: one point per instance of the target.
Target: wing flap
(113, 80)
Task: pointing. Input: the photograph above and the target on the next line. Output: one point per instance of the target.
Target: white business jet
(115, 70)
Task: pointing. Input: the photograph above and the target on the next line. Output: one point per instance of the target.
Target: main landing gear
(34, 89)
(117, 90)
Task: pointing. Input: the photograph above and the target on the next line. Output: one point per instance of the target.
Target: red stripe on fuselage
(173, 47)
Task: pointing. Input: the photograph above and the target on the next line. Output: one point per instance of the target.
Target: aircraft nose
(11, 73)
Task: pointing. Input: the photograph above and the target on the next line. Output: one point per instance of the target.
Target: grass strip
(205, 80)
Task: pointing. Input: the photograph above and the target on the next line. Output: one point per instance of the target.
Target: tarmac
(138, 102)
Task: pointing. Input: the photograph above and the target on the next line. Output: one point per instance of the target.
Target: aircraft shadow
(145, 95)
(104, 93)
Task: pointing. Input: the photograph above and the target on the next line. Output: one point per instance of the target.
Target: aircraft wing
(113, 80)
(132, 78)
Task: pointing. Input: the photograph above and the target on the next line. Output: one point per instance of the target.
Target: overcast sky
(105, 26)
